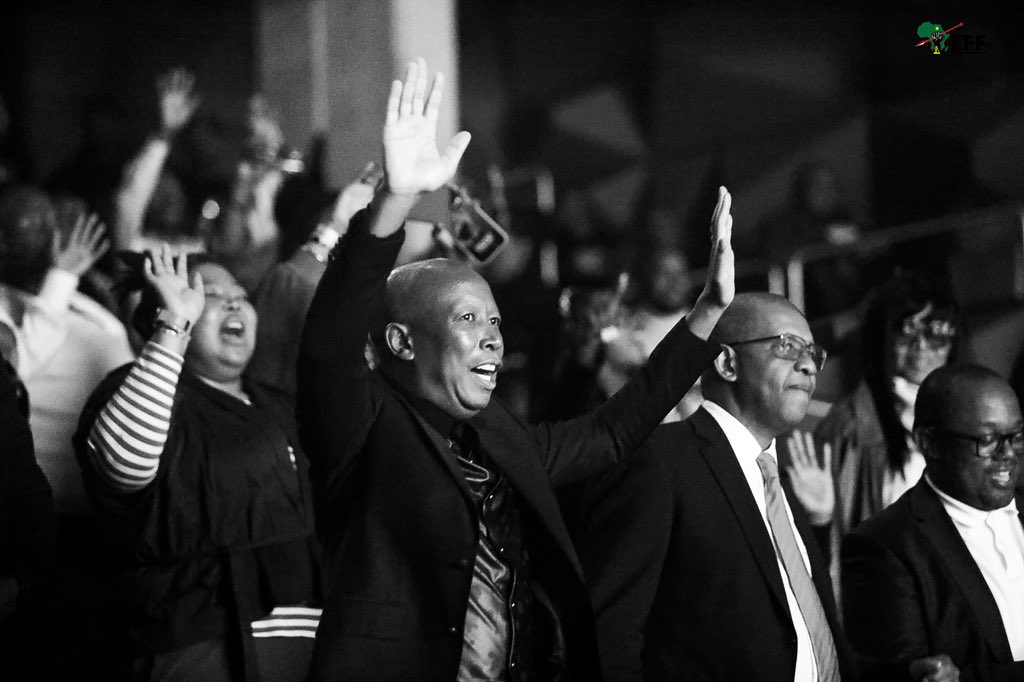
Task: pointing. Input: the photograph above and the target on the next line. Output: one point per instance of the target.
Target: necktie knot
(769, 469)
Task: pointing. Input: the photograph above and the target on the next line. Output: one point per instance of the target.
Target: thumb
(455, 149)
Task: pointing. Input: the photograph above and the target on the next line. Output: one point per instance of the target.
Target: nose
(805, 365)
(491, 340)
(1005, 450)
(233, 303)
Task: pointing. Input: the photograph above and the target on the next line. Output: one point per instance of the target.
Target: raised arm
(129, 434)
(334, 403)
(585, 445)
(177, 105)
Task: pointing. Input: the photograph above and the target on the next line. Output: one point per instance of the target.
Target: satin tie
(799, 579)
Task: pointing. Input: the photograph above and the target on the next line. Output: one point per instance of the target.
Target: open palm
(411, 158)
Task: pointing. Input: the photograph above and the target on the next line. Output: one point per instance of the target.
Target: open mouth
(1003, 477)
(233, 329)
(488, 372)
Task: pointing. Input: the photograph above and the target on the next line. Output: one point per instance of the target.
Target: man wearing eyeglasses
(698, 565)
(941, 571)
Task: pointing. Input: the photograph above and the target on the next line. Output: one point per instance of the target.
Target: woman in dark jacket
(206, 488)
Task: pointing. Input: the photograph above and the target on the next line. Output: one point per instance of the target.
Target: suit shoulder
(890, 524)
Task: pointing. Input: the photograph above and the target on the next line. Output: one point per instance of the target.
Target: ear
(725, 364)
(398, 340)
(925, 443)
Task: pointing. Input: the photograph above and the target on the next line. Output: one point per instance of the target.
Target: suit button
(512, 664)
(463, 563)
(453, 630)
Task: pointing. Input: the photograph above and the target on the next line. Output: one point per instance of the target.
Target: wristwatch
(173, 323)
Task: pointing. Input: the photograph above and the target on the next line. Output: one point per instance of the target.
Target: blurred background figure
(63, 344)
(911, 327)
(817, 215)
(285, 294)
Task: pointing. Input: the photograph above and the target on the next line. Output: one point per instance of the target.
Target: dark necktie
(799, 579)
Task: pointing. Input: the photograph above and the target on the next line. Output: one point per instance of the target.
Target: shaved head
(414, 290)
(438, 335)
(751, 315)
(949, 390)
(764, 390)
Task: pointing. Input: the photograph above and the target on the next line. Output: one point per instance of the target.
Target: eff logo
(938, 39)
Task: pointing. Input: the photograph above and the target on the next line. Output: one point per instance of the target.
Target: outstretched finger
(408, 88)
(826, 451)
(420, 92)
(197, 283)
(810, 450)
(718, 209)
(182, 265)
(99, 231)
(434, 100)
(796, 449)
(393, 99)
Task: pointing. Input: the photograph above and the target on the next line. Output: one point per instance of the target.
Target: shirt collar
(434, 415)
(740, 439)
(964, 514)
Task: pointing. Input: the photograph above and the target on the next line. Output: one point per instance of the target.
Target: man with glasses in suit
(698, 565)
(941, 571)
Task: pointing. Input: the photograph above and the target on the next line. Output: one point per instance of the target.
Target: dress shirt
(746, 449)
(995, 540)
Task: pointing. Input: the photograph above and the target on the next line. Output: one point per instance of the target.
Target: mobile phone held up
(476, 234)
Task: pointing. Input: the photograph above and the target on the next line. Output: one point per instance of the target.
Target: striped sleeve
(130, 432)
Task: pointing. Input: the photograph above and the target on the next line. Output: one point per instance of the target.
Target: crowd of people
(235, 453)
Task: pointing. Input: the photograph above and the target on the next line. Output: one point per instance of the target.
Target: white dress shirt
(995, 540)
(746, 449)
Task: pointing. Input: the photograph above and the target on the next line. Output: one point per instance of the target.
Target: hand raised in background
(811, 482)
(82, 247)
(411, 159)
(177, 101)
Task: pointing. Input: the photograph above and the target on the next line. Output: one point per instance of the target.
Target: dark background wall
(637, 108)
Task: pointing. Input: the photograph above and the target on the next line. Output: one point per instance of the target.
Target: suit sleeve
(334, 404)
(623, 543)
(882, 608)
(583, 446)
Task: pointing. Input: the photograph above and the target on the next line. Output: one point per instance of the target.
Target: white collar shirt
(747, 450)
(995, 540)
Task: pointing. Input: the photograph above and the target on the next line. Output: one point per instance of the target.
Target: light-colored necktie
(799, 579)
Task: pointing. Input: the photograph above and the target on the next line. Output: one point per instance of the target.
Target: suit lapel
(439, 446)
(502, 441)
(936, 525)
(722, 462)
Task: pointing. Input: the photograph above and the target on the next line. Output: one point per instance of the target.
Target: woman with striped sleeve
(206, 489)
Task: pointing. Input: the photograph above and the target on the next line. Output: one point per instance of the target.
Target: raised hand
(812, 482)
(80, 250)
(720, 285)
(169, 276)
(411, 158)
(177, 102)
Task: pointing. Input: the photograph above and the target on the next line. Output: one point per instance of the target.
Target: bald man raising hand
(446, 555)
(698, 565)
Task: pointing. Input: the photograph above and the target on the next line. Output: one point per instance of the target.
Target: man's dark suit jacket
(394, 512)
(682, 571)
(911, 588)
